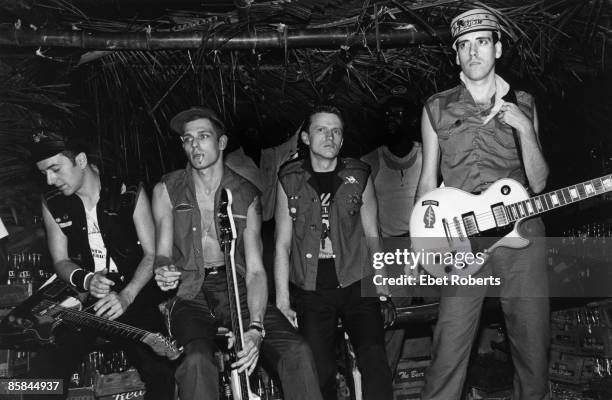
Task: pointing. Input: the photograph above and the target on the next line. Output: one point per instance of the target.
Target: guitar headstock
(163, 346)
(227, 228)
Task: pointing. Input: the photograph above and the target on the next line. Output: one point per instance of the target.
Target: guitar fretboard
(114, 328)
(558, 198)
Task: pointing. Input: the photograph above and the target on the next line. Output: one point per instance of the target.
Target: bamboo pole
(306, 38)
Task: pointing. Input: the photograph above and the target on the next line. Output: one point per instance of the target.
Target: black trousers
(318, 312)
(60, 360)
(195, 323)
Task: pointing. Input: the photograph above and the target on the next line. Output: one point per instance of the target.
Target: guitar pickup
(470, 224)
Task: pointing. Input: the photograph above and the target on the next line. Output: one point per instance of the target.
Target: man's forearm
(65, 268)
(257, 295)
(281, 278)
(141, 277)
(536, 167)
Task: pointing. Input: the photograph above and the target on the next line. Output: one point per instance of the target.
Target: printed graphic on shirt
(325, 249)
(96, 244)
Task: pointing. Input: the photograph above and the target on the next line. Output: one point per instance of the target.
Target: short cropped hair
(323, 108)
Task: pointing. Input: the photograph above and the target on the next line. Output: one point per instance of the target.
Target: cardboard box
(482, 394)
(131, 395)
(82, 393)
(13, 363)
(417, 347)
(118, 383)
(596, 341)
(410, 373)
(407, 394)
(571, 368)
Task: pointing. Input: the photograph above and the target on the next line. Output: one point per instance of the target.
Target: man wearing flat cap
(97, 227)
(190, 260)
(477, 133)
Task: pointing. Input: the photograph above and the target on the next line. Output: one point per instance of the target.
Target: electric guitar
(447, 222)
(55, 303)
(241, 387)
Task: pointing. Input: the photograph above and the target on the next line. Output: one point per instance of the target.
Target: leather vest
(115, 218)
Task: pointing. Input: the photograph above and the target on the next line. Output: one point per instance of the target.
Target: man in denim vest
(325, 210)
(190, 260)
(477, 133)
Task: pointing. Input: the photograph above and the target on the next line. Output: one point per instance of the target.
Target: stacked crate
(581, 352)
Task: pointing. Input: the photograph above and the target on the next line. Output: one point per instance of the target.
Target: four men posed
(327, 226)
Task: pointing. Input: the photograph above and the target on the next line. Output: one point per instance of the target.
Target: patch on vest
(351, 180)
(183, 207)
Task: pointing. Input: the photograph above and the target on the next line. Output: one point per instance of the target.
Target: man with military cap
(477, 133)
(190, 259)
(98, 226)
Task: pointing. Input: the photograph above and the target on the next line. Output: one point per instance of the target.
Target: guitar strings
(102, 321)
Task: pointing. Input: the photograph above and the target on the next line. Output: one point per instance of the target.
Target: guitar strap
(510, 97)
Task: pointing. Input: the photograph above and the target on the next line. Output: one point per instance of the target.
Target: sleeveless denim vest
(346, 232)
(474, 155)
(187, 253)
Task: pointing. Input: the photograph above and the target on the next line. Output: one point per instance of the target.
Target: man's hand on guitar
(99, 285)
(248, 356)
(167, 277)
(112, 306)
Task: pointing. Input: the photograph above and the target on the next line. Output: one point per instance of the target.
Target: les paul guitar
(449, 221)
(241, 387)
(55, 303)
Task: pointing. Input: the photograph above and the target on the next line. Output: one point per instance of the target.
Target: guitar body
(450, 221)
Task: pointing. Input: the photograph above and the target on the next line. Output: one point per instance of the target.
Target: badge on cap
(474, 20)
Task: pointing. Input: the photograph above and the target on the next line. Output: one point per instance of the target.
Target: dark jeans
(318, 312)
(195, 323)
(61, 360)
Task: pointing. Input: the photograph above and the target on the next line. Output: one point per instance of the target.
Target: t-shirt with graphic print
(96, 244)
(326, 273)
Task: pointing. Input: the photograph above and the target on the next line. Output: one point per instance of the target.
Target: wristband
(77, 278)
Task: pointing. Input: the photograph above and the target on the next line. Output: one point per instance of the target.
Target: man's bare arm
(58, 246)
(145, 229)
(283, 236)
(166, 276)
(256, 280)
(431, 157)
(536, 167)
(257, 288)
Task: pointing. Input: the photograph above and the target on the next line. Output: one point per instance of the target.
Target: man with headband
(97, 226)
(477, 133)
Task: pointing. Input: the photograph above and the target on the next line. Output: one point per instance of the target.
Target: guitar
(447, 221)
(55, 303)
(241, 386)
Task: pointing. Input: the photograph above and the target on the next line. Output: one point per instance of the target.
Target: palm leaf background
(558, 50)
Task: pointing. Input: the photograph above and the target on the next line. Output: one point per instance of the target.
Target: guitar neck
(114, 328)
(558, 198)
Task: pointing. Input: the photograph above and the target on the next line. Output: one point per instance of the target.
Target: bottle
(274, 390)
(224, 387)
(260, 386)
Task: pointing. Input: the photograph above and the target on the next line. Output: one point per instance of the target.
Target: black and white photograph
(305, 200)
